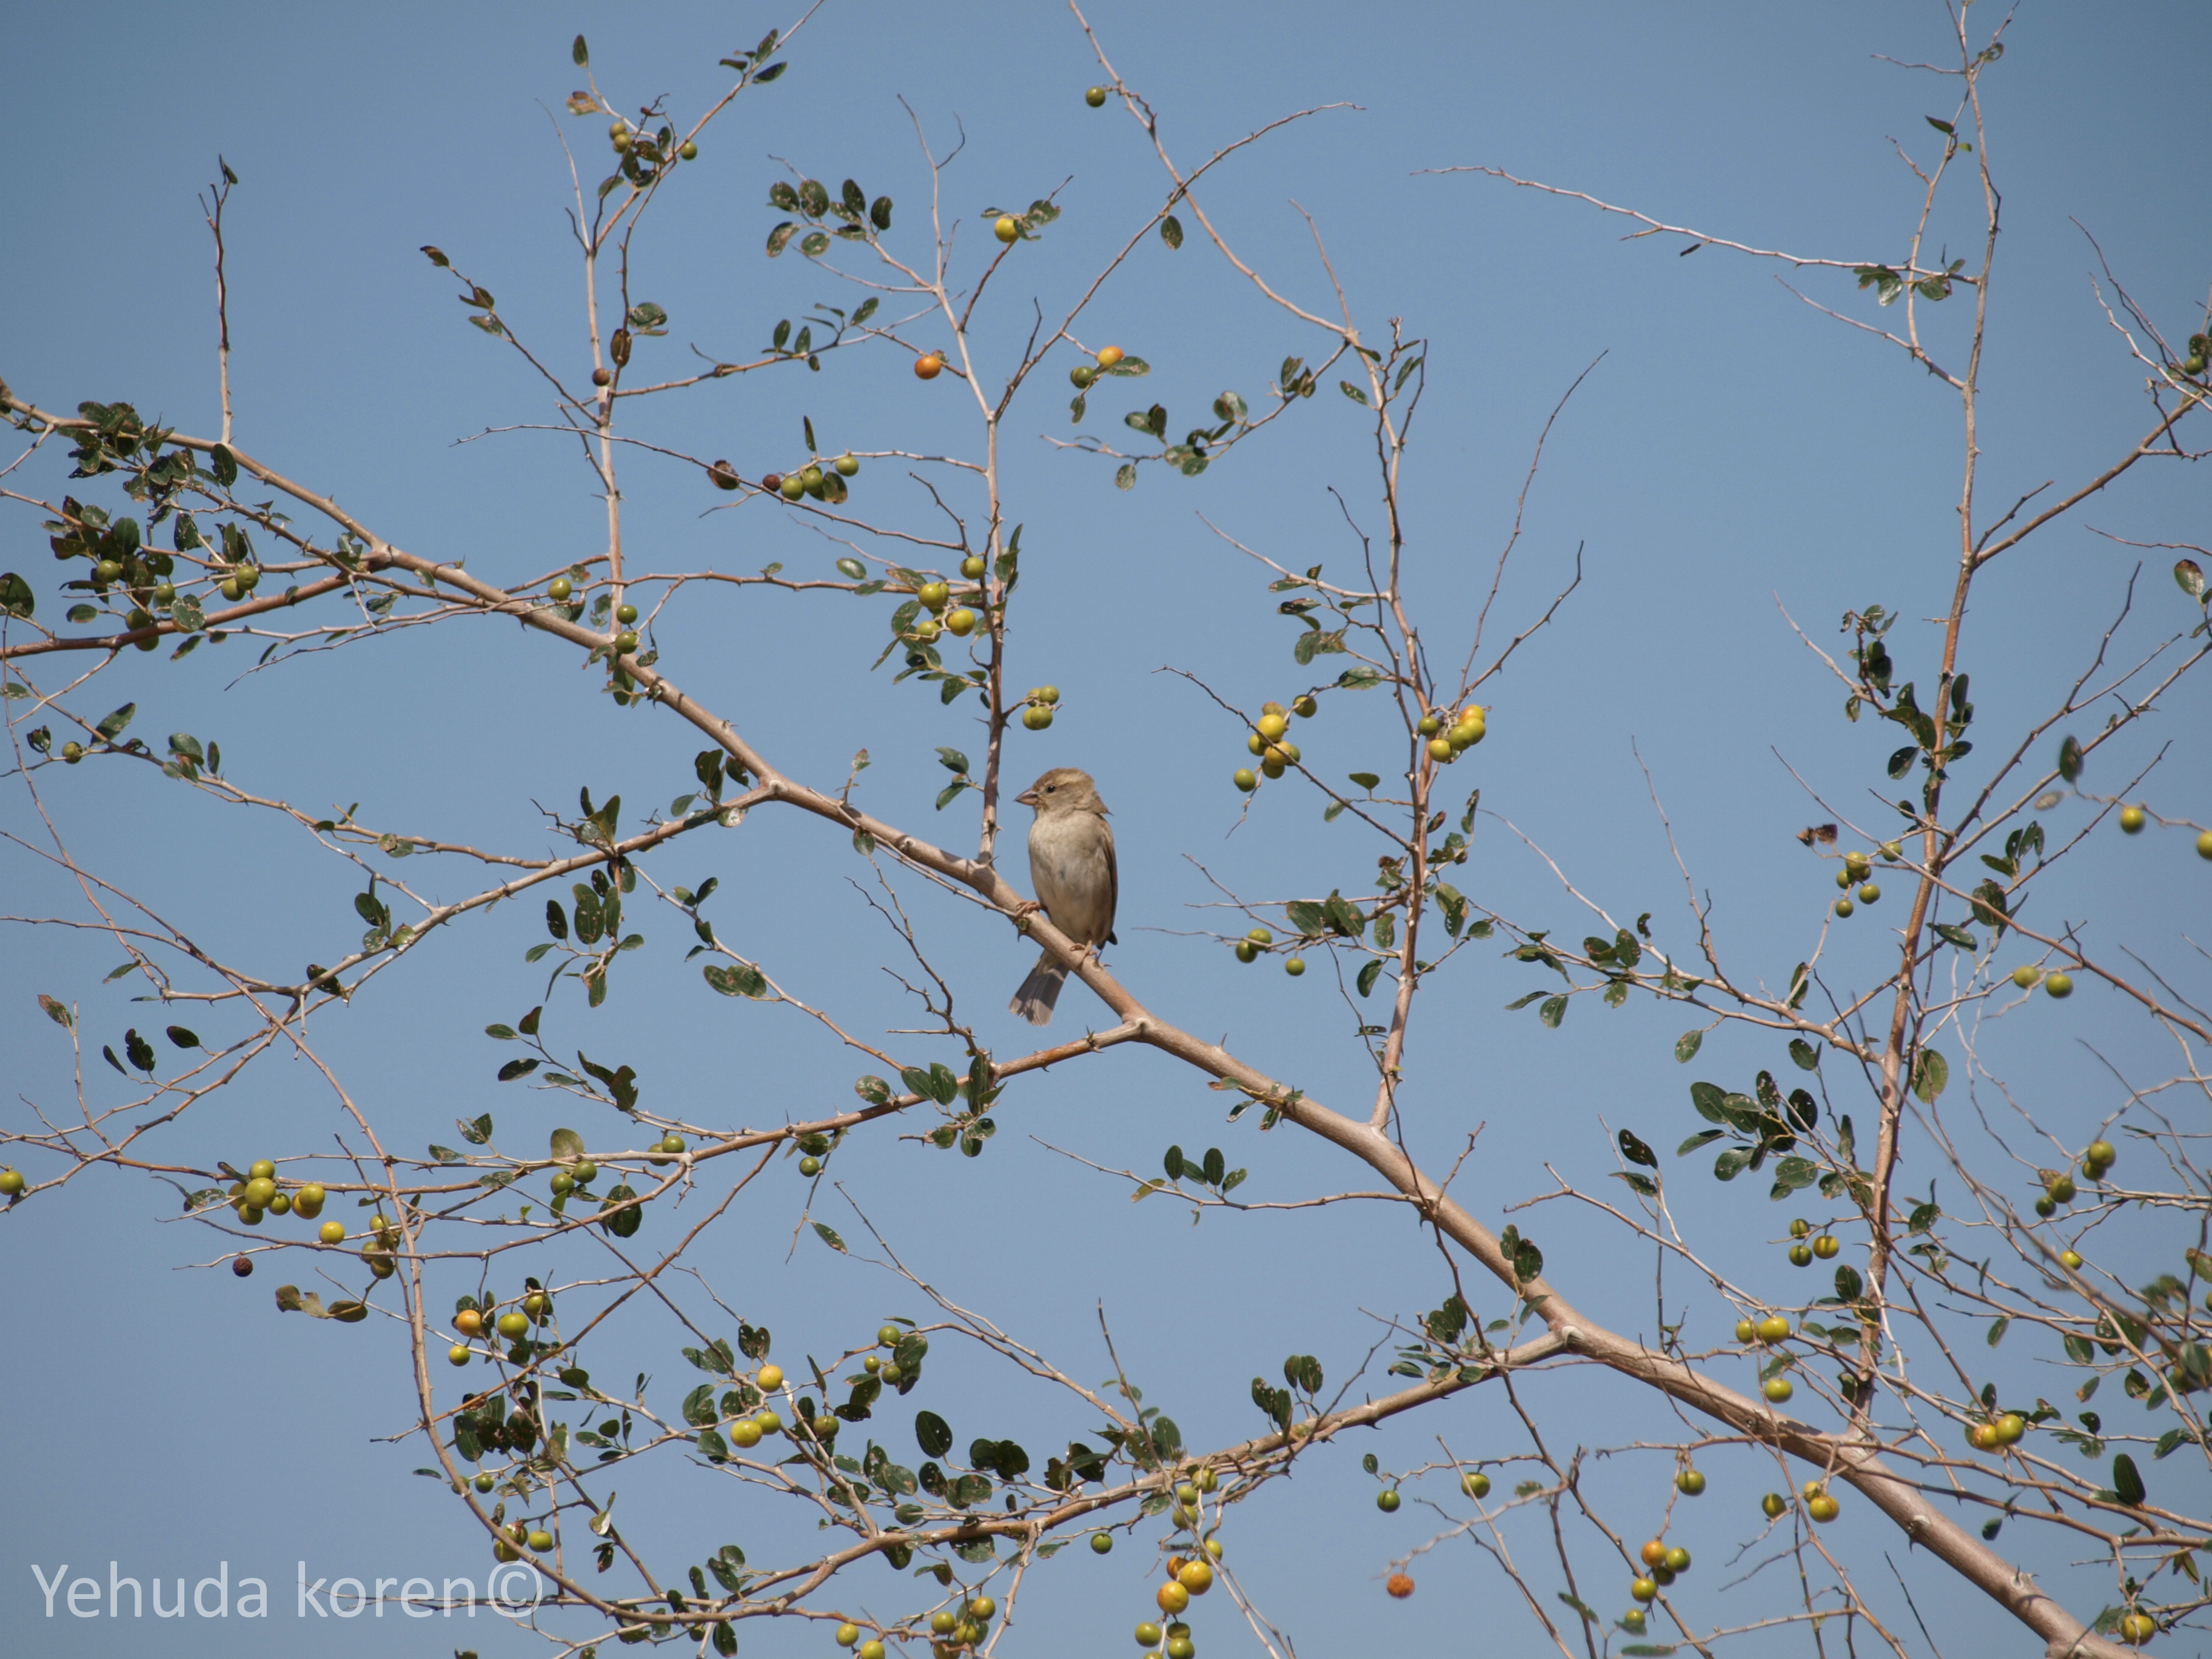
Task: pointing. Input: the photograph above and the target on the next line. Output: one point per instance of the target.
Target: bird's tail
(1040, 991)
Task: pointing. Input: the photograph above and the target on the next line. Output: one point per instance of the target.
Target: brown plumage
(1071, 871)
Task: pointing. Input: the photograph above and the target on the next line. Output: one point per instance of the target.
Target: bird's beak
(1027, 797)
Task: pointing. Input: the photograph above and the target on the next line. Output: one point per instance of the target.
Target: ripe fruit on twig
(1773, 1328)
(2138, 1628)
(2025, 976)
(1245, 779)
(2058, 985)
(1475, 1484)
(1870, 893)
(469, 1322)
(2071, 1260)
(1295, 966)
(2132, 819)
(332, 1232)
(1774, 1505)
(1387, 1501)
(1008, 229)
(846, 464)
(458, 1354)
(1102, 1543)
(1827, 1247)
(1095, 97)
(1800, 1255)
(1654, 1552)
(1777, 1389)
(960, 622)
(625, 614)
(1643, 1590)
(929, 366)
(1110, 356)
(242, 1266)
(2204, 845)
(1745, 1330)
(1172, 1597)
(1196, 1577)
(11, 1182)
(688, 149)
(2098, 1157)
(1398, 1586)
(1690, 1483)
(559, 589)
(1823, 1508)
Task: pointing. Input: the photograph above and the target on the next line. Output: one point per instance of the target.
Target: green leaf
(1958, 936)
(566, 1144)
(1373, 971)
(1791, 1175)
(1554, 1011)
(1171, 231)
(1686, 1046)
(579, 53)
(2128, 1481)
(1702, 1137)
(622, 1223)
(738, 980)
(1636, 1151)
(112, 727)
(1849, 1285)
(830, 1236)
(1804, 1052)
(2070, 760)
(1352, 393)
(933, 1434)
(1930, 1072)
(1364, 780)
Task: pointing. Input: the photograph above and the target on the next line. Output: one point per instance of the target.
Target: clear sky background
(1734, 456)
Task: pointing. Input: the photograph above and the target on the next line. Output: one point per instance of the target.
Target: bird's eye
(1050, 788)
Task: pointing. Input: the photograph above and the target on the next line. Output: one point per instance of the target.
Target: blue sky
(1734, 456)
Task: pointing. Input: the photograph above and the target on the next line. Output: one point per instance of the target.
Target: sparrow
(1071, 870)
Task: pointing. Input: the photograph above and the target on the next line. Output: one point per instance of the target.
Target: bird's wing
(1113, 879)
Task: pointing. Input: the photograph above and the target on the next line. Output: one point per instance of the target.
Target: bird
(1071, 871)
